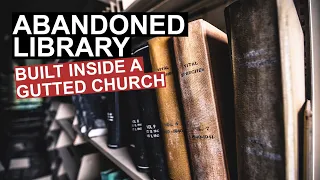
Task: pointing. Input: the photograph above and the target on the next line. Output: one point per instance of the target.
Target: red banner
(85, 77)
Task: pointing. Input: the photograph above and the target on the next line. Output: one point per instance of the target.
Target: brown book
(161, 56)
(207, 96)
(266, 43)
(307, 146)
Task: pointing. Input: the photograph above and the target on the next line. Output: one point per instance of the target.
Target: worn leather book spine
(258, 89)
(151, 123)
(201, 103)
(137, 140)
(161, 56)
(269, 86)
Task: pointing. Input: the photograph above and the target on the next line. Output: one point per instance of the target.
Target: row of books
(70, 157)
(232, 104)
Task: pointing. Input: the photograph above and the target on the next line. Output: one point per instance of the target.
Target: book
(77, 101)
(117, 121)
(151, 122)
(137, 146)
(161, 56)
(207, 96)
(113, 117)
(96, 115)
(307, 145)
(268, 69)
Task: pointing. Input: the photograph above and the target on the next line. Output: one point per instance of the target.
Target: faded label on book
(136, 125)
(152, 131)
(172, 128)
(193, 71)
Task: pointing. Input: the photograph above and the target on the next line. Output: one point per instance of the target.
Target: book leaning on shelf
(80, 113)
(207, 97)
(137, 147)
(162, 57)
(91, 113)
(96, 114)
(267, 53)
(118, 123)
(151, 122)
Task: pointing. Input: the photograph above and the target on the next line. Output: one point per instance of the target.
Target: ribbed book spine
(269, 86)
(258, 95)
(152, 125)
(162, 55)
(200, 100)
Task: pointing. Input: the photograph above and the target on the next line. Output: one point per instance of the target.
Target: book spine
(175, 145)
(80, 112)
(137, 144)
(97, 104)
(86, 115)
(152, 125)
(114, 139)
(258, 96)
(75, 102)
(199, 104)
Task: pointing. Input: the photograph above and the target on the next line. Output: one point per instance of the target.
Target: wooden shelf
(67, 127)
(48, 177)
(54, 126)
(90, 167)
(79, 140)
(63, 140)
(62, 171)
(119, 157)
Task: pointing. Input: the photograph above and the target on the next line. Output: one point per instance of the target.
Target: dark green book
(267, 53)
